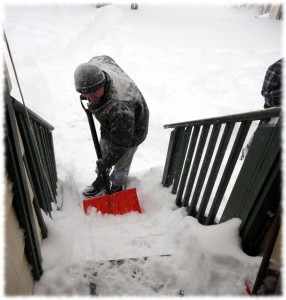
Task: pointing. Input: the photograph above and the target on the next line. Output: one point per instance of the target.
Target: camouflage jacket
(122, 111)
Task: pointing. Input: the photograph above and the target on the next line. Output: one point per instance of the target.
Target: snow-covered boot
(117, 188)
(96, 189)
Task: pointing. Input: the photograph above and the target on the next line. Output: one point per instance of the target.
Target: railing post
(172, 156)
(257, 188)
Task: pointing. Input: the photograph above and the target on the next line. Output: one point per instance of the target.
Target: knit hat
(88, 78)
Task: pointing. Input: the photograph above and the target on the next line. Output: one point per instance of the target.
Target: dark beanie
(88, 78)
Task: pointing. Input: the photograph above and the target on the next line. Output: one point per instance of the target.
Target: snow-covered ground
(190, 62)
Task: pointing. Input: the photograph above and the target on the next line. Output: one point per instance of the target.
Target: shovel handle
(93, 130)
(96, 145)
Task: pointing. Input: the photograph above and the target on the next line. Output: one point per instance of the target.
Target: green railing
(203, 154)
(37, 138)
(30, 166)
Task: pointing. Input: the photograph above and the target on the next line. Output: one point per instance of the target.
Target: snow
(190, 62)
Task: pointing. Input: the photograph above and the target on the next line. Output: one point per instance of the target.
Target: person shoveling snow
(118, 105)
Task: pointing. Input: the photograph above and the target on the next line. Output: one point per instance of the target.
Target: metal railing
(37, 138)
(202, 156)
(31, 167)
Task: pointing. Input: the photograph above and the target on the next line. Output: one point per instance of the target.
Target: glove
(100, 167)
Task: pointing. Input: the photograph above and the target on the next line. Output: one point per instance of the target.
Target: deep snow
(190, 62)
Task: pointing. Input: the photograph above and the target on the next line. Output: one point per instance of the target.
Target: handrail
(19, 107)
(253, 115)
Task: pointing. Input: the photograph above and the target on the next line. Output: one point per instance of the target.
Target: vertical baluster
(205, 167)
(181, 158)
(215, 169)
(171, 158)
(187, 165)
(240, 138)
(195, 166)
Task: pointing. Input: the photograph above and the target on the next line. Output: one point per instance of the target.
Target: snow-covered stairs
(136, 237)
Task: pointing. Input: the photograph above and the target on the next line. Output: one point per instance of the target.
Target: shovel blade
(116, 204)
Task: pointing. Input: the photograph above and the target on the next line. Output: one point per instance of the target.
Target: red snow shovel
(118, 203)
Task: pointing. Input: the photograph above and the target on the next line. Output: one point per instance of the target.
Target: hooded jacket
(122, 111)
